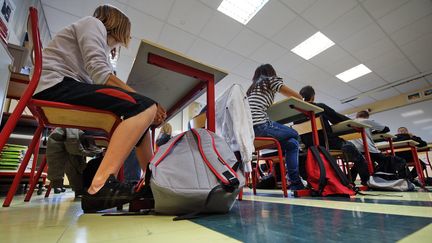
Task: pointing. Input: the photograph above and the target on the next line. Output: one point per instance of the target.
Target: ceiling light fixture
(313, 46)
(241, 10)
(427, 128)
(412, 113)
(422, 121)
(353, 73)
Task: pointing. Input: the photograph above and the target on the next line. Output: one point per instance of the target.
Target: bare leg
(144, 151)
(123, 140)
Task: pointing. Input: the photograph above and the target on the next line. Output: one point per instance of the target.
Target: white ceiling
(392, 37)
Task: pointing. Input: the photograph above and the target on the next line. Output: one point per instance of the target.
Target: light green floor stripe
(423, 235)
(351, 206)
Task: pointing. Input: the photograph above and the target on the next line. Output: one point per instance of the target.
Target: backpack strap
(344, 180)
(322, 182)
(160, 155)
(216, 164)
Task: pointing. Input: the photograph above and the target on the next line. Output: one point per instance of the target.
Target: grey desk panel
(283, 111)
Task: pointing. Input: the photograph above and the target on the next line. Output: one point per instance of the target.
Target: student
(164, 135)
(375, 153)
(261, 96)
(331, 116)
(76, 70)
(404, 134)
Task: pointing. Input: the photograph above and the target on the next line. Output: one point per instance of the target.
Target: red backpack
(324, 175)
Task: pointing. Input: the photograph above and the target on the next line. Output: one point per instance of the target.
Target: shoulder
(90, 22)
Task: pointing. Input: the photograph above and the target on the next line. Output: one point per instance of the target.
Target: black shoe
(112, 194)
(142, 190)
(58, 190)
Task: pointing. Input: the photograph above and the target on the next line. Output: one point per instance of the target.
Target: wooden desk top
(380, 136)
(165, 86)
(348, 126)
(284, 112)
(398, 144)
(17, 84)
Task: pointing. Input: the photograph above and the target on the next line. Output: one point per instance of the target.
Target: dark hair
(261, 77)
(362, 114)
(307, 92)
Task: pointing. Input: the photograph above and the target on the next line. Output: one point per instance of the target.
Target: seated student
(261, 96)
(331, 116)
(375, 153)
(402, 135)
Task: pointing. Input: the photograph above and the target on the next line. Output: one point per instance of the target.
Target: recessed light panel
(313, 45)
(241, 10)
(422, 121)
(353, 73)
(412, 113)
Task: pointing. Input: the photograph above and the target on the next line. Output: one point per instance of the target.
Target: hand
(160, 115)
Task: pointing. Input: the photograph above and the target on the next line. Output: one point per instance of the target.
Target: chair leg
(48, 190)
(282, 171)
(35, 159)
(35, 180)
(21, 169)
(254, 180)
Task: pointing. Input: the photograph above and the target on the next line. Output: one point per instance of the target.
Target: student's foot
(58, 190)
(112, 194)
(296, 186)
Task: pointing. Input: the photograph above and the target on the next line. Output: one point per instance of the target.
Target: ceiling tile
(190, 15)
(336, 88)
(144, 26)
(341, 65)
(422, 61)
(204, 51)
(385, 94)
(367, 82)
(78, 8)
(327, 59)
(246, 69)
(324, 12)
(246, 42)
(374, 50)
(53, 15)
(363, 38)
(397, 70)
(298, 6)
(221, 29)
(294, 33)
(287, 63)
(271, 19)
(176, 39)
(213, 4)
(422, 44)
(405, 15)
(413, 86)
(227, 59)
(348, 24)
(382, 7)
(413, 31)
(385, 59)
(268, 52)
(158, 9)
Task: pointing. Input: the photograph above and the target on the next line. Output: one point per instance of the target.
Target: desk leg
(366, 152)
(211, 123)
(311, 116)
(418, 166)
(391, 146)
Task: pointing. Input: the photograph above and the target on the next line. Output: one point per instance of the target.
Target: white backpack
(193, 173)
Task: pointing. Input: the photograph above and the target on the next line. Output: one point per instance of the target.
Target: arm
(421, 142)
(331, 115)
(289, 92)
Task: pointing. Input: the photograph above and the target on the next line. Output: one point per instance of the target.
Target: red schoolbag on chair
(324, 175)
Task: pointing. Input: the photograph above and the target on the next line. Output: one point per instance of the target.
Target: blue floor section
(251, 221)
(358, 200)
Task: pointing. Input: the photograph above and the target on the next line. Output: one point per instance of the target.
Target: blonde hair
(166, 128)
(115, 21)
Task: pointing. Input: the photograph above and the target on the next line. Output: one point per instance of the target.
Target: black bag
(90, 171)
(394, 165)
(267, 182)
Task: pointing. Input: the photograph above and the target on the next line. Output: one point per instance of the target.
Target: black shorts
(103, 97)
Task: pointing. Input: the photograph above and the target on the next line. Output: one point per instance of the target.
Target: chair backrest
(35, 46)
(198, 121)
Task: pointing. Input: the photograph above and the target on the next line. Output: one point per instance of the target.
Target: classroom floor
(266, 217)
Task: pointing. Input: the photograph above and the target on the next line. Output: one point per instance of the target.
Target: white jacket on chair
(234, 123)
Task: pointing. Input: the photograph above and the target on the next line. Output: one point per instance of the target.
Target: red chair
(48, 114)
(262, 143)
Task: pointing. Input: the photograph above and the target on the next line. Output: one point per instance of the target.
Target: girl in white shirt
(76, 70)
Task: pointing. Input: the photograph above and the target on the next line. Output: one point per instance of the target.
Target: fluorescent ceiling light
(353, 73)
(241, 10)
(423, 121)
(412, 113)
(427, 128)
(313, 45)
